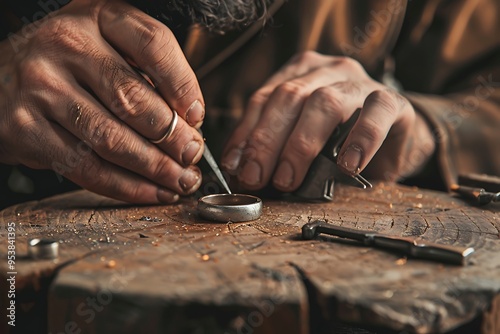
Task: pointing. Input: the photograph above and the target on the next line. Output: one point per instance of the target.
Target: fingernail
(166, 196)
(351, 159)
(250, 174)
(284, 175)
(195, 114)
(191, 152)
(189, 180)
(232, 159)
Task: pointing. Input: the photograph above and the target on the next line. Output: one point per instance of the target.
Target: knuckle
(258, 99)
(130, 98)
(39, 86)
(291, 88)
(155, 42)
(371, 132)
(385, 101)
(349, 63)
(347, 87)
(328, 101)
(184, 87)
(400, 100)
(149, 34)
(92, 170)
(261, 140)
(100, 9)
(129, 95)
(35, 76)
(106, 135)
(303, 148)
(305, 57)
(113, 141)
(20, 125)
(31, 71)
(64, 33)
(302, 62)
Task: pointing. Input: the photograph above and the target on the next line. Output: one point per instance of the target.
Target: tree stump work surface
(162, 269)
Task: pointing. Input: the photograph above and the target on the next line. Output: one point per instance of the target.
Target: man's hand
(72, 100)
(291, 117)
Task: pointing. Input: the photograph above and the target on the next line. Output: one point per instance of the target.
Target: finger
(153, 47)
(71, 158)
(233, 150)
(115, 142)
(326, 108)
(137, 104)
(181, 141)
(278, 119)
(382, 111)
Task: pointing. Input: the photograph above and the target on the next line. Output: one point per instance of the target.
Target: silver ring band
(170, 129)
(230, 207)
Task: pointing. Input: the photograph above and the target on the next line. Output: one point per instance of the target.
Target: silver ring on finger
(169, 131)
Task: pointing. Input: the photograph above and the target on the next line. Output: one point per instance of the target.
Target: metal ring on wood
(43, 249)
(230, 207)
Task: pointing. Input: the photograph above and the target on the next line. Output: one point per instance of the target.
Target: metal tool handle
(423, 250)
(479, 195)
(415, 248)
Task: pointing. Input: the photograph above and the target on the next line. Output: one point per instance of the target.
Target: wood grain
(162, 269)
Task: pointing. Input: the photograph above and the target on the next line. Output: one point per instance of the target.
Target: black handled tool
(409, 246)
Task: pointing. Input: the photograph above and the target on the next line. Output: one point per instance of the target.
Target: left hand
(289, 119)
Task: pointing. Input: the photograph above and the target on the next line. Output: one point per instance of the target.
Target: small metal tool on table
(480, 188)
(46, 249)
(479, 195)
(319, 182)
(415, 248)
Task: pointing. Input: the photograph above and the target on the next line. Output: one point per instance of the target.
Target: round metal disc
(230, 207)
(43, 248)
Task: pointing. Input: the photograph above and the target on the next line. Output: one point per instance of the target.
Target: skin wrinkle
(150, 37)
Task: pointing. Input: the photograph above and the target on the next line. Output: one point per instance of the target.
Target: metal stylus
(211, 161)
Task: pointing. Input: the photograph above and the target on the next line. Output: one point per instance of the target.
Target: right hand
(71, 101)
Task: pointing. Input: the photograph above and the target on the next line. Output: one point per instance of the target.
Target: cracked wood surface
(162, 269)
